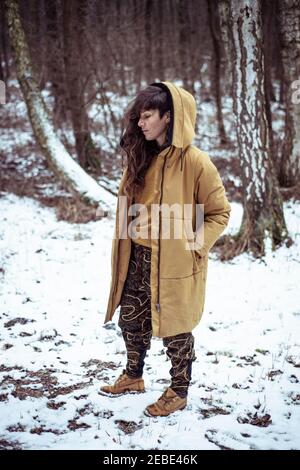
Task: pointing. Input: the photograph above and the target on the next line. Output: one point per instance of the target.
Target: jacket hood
(183, 115)
(183, 109)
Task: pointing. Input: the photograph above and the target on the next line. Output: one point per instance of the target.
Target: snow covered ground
(55, 351)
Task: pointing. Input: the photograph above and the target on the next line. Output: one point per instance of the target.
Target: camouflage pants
(136, 327)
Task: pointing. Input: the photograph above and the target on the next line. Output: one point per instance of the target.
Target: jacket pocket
(198, 261)
(176, 259)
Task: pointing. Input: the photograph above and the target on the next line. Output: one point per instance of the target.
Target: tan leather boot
(168, 403)
(124, 384)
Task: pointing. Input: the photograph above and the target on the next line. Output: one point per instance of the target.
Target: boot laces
(166, 399)
(121, 378)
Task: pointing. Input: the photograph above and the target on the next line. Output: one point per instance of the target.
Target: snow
(81, 180)
(56, 352)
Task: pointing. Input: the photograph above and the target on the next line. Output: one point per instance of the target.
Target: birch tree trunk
(75, 178)
(289, 20)
(263, 217)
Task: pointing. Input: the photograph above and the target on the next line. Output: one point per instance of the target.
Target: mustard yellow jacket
(183, 175)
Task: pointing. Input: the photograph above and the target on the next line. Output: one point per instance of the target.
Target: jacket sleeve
(210, 192)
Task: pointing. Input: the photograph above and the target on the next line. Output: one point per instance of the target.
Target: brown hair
(138, 150)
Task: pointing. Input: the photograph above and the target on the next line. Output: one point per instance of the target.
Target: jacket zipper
(159, 226)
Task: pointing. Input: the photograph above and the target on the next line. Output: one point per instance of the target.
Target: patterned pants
(136, 327)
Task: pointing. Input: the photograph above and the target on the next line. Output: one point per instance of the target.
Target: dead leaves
(293, 360)
(9, 445)
(215, 410)
(128, 427)
(22, 321)
(256, 419)
(38, 384)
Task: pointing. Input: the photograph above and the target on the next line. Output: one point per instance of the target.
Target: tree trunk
(268, 12)
(172, 39)
(70, 173)
(73, 21)
(148, 40)
(184, 45)
(277, 60)
(121, 43)
(3, 46)
(263, 217)
(55, 60)
(160, 45)
(194, 11)
(214, 27)
(137, 48)
(289, 18)
(227, 43)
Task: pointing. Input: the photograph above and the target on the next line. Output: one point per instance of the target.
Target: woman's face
(153, 126)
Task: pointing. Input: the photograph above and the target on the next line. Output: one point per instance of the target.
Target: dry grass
(256, 420)
(16, 178)
(9, 445)
(128, 427)
(36, 384)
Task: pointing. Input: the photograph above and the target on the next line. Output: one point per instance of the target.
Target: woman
(159, 281)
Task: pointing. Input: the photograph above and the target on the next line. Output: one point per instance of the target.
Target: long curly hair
(138, 150)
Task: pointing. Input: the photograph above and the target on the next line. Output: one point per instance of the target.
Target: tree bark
(263, 219)
(121, 43)
(184, 44)
(136, 48)
(3, 47)
(55, 65)
(68, 171)
(227, 43)
(160, 45)
(148, 40)
(214, 27)
(277, 56)
(268, 13)
(289, 18)
(73, 20)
